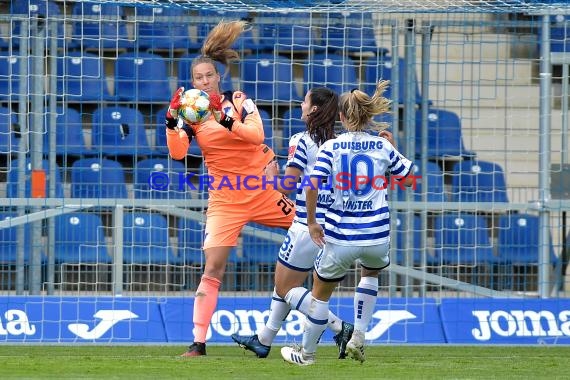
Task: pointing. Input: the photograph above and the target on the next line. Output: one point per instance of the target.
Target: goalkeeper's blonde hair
(358, 108)
(217, 45)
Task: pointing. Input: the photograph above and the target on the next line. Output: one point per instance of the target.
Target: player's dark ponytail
(320, 122)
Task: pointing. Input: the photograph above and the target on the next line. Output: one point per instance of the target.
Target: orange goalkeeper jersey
(230, 156)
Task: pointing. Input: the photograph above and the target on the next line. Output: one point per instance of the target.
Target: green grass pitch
(232, 362)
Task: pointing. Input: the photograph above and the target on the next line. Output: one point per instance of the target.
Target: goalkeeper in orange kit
(231, 141)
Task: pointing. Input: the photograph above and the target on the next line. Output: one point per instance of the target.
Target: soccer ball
(194, 106)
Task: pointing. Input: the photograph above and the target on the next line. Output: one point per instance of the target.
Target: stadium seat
(559, 34)
(261, 253)
(80, 239)
(185, 73)
(518, 240)
(9, 143)
(247, 41)
(12, 187)
(81, 78)
(331, 70)
(478, 181)
(98, 178)
(142, 77)
(9, 239)
(462, 239)
(350, 32)
(292, 124)
(100, 27)
(39, 9)
(190, 241)
(119, 131)
(413, 237)
(149, 185)
(10, 77)
(145, 239)
(445, 138)
(268, 78)
(432, 176)
(161, 148)
(163, 28)
(380, 67)
(69, 133)
(267, 127)
(282, 32)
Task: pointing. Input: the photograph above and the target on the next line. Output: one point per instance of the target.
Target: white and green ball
(194, 106)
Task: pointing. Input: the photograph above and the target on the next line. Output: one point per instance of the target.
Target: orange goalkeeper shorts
(225, 221)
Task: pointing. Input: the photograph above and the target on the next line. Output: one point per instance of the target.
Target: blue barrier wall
(169, 320)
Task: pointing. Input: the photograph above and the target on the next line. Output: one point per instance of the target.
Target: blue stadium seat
(190, 241)
(145, 239)
(267, 127)
(462, 239)
(445, 138)
(81, 77)
(8, 141)
(559, 34)
(260, 254)
(331, 70)
(261, 250)
(80, 239)
(518, 240)
(413, 237)
(9, 239)
(119, 131)
(10, 77)
(246, 41)
(292, 124)
(100, 27)
(285, 33)
(432, 176)
(478, 181)
(160, 146)
(380, 67)
(39, 9)
(150, 181)
(268, 78)
(69, 133)
(12, 187)
(98, 178)
(142, 77)
(185, 73)
(163, 28)
(351, 32)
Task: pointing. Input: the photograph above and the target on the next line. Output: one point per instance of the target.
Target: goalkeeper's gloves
(224, 120)
(172, 112)
(171, 120)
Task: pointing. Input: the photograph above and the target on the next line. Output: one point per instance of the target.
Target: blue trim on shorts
(330, 279)
(286, 264)
(385, 266)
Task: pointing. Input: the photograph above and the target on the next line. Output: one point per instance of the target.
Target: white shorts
(334, 261)
(298, 251)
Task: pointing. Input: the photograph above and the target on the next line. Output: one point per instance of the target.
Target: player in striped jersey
(298, 252)
(357, 223)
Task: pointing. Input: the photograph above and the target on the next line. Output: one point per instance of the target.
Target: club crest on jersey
(292, 150)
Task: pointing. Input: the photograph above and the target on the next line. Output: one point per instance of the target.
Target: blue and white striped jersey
(303, 155)
(358, 163)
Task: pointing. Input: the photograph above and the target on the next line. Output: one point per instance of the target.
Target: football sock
(204, 306)
(364, 302)
(277, 313)
(315, 324)
(300, 298)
